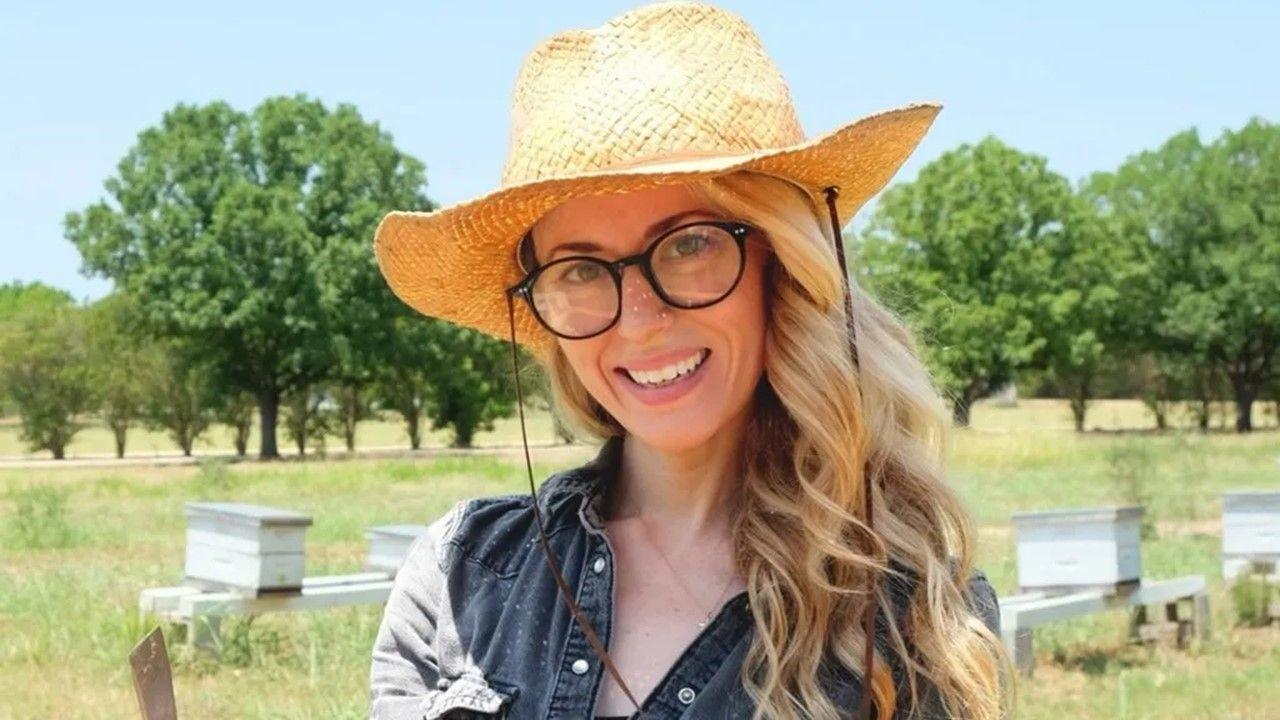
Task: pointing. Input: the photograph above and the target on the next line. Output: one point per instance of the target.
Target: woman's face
(722, 343)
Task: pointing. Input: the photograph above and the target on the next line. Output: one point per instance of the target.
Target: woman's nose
(643, 312)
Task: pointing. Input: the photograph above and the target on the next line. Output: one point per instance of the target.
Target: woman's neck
(688, 493)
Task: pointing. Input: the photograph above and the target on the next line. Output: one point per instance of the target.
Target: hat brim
(455, 263)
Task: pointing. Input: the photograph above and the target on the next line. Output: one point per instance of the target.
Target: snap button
(579, 666)
(598, 565)
(443, 683)
(686, 695)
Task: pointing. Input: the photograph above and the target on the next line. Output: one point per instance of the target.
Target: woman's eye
(582, 273)
(687, 245)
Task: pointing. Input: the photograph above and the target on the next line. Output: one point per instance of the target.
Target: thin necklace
(715, 603)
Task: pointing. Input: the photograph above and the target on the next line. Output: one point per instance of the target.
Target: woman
(768, 492)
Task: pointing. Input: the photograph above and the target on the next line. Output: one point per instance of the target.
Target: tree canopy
(248, 234)
(963, 252)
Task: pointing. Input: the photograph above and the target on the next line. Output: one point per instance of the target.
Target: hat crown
(664, 80)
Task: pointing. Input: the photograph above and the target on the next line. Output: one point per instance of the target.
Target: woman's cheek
(585, 357)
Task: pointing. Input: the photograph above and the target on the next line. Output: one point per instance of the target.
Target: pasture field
(77, 544)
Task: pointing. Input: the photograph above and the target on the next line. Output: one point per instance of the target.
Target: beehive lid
(400, 531)
(1082, 515)
(246, 514)
(1251, 500)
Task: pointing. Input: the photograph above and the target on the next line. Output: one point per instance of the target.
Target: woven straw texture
(665, 93)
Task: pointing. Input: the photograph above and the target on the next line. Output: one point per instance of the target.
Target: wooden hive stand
(249, 560)
(1073, 563)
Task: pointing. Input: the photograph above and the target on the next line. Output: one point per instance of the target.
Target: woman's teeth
(665, 375)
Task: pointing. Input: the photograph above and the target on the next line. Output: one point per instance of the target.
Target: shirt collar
(587, 482)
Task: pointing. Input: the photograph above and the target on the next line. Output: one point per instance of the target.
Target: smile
(668, 374)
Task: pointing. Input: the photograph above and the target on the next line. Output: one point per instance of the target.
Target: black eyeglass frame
(738, 230)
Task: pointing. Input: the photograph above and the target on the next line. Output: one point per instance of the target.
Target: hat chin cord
(864, 711)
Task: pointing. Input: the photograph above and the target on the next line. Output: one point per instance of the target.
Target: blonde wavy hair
(819, 424)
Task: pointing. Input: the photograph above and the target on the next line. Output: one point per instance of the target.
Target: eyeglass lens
(693, 267)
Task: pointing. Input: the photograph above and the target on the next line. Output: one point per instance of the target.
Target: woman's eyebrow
(576, 246)
(653, 231)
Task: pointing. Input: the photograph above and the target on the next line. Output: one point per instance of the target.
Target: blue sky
(1084, 83)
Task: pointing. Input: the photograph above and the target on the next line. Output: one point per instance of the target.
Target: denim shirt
(475, 626)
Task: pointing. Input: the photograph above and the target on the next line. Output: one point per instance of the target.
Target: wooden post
(1201, 617)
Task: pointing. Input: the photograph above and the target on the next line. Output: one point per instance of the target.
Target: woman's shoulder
(468, 524)
(493, 531)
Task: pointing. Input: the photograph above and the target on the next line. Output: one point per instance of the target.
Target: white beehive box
(1250, 530)
(247, 547)
(389, 546)
(1091, 548)
(1251, 523)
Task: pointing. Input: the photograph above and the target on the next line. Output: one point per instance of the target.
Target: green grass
(78, 544)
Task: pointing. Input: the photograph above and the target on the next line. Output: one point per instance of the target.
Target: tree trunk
(1245, 393)
(414, 420)
(1078, 409)
(463, 434)
(1204, 413)
(119, 430)
(242, 438)
(269, 410)
(1080, 402)
(350, 415)
(1160, 409)
(963, 405)
(960, 410)
(1245, 384)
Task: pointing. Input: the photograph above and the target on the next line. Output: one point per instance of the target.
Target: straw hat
(666, 92)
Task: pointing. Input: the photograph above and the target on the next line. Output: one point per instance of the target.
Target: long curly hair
(820, 423)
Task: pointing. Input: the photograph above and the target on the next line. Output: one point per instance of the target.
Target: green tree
(962, 253)
(117, 350)
(1208, 217)
(180, 397)
(1242, 172)
(469, 377)
(308, 417)
(233, 228)
(234, 409)
(45, 369)
(18, 296)
(403, 381)
(353, 406)
(1084, 302)
(359, 308)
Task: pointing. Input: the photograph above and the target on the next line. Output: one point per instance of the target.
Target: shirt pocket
(471, 698)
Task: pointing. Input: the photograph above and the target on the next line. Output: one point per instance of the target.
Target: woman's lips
(669, 392)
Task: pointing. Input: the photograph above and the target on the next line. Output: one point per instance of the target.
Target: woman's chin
(676, 433)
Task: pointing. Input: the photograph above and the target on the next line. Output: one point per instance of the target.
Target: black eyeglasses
(689, 266)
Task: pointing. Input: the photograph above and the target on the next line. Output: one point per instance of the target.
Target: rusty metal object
(153, 678)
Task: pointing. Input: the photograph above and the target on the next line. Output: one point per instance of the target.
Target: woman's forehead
(617, 220)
